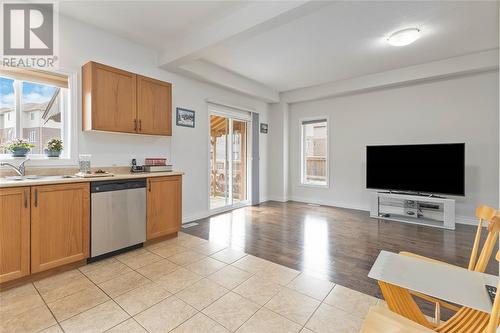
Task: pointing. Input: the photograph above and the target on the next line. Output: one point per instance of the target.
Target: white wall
(187, 149)
(460, 109)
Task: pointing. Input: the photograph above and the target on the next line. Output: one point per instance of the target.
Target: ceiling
(152, 23)
(347, 39)
(307, 43)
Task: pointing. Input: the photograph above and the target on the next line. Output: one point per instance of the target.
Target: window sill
(314, 185)
(40, 160)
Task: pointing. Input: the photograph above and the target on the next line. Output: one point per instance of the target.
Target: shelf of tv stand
(394, 203)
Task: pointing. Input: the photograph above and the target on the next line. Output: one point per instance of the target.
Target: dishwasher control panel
(116, 185)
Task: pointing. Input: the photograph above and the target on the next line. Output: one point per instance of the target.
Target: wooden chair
(380, 319)
(465, 321)
(400, 301)
(485, 215)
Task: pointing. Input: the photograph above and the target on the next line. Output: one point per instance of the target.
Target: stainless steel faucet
(20, 170)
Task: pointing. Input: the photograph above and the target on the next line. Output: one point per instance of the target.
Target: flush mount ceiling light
(404, 37)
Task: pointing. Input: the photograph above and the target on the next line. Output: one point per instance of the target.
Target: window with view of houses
(31, 107)
(315, 152)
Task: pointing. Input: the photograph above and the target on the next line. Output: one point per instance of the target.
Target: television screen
(430, 168)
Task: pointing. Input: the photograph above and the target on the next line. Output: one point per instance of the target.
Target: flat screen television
(428, 168)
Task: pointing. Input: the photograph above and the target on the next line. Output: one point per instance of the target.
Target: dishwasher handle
(117, 185)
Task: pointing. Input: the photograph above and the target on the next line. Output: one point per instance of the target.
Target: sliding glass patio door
(228, 161)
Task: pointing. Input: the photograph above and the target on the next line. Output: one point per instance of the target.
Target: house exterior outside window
(314, 164)
(34, 106)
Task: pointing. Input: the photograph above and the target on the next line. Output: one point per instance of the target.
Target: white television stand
(416, 209)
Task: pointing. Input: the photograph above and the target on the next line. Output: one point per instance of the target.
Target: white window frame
(302, 181)
(238, 114)
(69, 130)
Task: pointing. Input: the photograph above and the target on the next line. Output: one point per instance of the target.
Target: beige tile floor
(185, 284)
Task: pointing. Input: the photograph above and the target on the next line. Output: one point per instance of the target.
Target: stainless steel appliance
(118, 215)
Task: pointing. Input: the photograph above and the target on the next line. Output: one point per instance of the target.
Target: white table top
(449, 283)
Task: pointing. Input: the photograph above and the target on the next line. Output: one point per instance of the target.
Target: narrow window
(315, 152)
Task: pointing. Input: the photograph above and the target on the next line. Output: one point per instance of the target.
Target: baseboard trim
(468, 220)
(329, 203)
(194, 217)
(202, 215)
(277, 198)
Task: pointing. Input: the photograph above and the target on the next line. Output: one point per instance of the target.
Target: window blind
(36, 76)
(313, 121)
(229, 111)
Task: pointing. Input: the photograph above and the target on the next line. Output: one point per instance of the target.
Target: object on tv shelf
(158, 168)
(155, 161)
(426, 168)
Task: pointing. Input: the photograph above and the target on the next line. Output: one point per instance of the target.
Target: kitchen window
(314, 165)
(35, 105)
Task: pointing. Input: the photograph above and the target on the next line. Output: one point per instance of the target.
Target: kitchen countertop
(47, 180)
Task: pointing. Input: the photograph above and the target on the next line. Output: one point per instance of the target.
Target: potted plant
(18, 147)
(54, 147)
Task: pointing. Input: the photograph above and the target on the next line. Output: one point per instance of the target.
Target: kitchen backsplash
(5, 171)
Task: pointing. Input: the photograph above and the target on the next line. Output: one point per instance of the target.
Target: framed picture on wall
(184, 117)
(263, 128)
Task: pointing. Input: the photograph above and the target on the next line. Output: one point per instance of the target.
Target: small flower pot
(52, 153)
(19, 152)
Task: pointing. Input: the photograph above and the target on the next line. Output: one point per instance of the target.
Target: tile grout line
(50, 310)
(185, 266)
(293, 321)
(97, 286)
(109, 329)
(112, 299)
(71, 294)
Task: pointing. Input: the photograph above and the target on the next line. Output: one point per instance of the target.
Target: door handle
(140, 125)
(36, 198)
(25, 199)
(135, 125)
(149, 185)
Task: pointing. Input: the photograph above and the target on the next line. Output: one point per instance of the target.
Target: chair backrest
(495, 311)
(485, 215)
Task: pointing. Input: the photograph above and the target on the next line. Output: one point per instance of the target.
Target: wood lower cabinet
(60, 223)
(154, 106)
(14, 233)
(164, 206)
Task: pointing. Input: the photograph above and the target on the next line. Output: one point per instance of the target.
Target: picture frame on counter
(185, 117)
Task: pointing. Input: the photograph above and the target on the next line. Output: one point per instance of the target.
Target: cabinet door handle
(140, 125)
(36, 198)
(25, 199)
(135, 125)
(149, 183)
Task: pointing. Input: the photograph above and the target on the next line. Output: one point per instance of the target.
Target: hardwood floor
(340, 244)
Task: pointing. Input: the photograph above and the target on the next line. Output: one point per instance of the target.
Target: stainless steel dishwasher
(118, 215)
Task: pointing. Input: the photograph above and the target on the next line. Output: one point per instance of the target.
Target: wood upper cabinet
(14, 233)
(109, 99)
(164, 206)
(60, 223)
(154, 106)
(119, 101)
